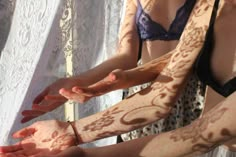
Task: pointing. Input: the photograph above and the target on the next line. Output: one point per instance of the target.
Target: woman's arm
(201, 136)
(147, 106)
(154, 102)
(127, 48)
(125, 58)
(121, 79)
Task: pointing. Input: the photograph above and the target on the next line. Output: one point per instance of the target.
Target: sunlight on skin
(34, 140)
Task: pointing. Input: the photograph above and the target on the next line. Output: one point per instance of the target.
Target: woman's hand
(41, 138)
(117, 79)
(49, 99)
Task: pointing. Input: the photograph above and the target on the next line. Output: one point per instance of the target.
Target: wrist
(77, 136)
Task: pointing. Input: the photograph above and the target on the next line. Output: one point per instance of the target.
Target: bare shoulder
(134, 2)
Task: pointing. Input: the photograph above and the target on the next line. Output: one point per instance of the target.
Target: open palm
(41, 138)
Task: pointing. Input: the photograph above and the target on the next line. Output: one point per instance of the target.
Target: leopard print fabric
(187, 108)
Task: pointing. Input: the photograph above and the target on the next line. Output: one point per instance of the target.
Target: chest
(162, 11)
(223, 62)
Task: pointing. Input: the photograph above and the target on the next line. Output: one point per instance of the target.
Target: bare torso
(223, 63)
(163, 12)
(224, 54)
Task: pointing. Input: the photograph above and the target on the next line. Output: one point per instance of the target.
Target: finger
(99, 88)
(113, 76)
(28, 118)
(82, 91)
(55, 97)
(20, 153)
(8, 155)
(32, 113)
(67, 93)
(25, 132)
(48, 107)
(81, 98)
(41, 96)
(10, 149)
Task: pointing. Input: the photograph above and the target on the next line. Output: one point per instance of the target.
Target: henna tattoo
(157, 111)
(128, 33)
(194, 132)
(201, 7)
(164, 79)
(157, 65)
(109, 134)
(106, 120)
(226, 132)
(60, 141)
(63, 141)
(54, 135)
(203, 147)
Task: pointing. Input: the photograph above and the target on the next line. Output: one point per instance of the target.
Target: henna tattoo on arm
(139, 110)
(106, 120)
(128, 37)
(203, 140)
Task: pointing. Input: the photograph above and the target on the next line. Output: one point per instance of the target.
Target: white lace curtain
(41, 34)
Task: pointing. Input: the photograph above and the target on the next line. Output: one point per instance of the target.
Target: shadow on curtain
(33, 55)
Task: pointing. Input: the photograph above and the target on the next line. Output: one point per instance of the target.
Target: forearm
(147, 72)
(119, 61)
(127, 50)
(201, 136)
(144, 107)
(155, 102)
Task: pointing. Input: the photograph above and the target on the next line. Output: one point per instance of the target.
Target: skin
(214, 127)
(139, 110)
(199, 137)
(125, 58)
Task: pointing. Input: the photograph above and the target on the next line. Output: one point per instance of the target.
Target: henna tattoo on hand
(60, 142)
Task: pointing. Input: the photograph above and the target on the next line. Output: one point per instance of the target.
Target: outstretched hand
(41, 139)
(49, 99)
(117, 79)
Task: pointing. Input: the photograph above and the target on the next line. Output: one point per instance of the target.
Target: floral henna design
(157, 111)
(194, 132)
(62, 142)
(127, 34)
(106, 120)
(202, 7)
(181, 61)
(157, 65)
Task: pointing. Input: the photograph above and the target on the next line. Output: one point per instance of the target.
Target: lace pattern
(33, 56)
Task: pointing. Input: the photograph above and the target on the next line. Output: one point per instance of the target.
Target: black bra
(202, 66)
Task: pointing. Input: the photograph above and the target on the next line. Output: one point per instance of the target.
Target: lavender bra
(151, 30)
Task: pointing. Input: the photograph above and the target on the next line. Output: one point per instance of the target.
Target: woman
(151, 104)
(216, 125)
(145, 34)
